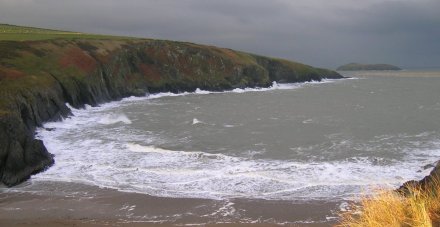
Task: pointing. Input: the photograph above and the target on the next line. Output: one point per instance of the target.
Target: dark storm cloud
(402, 32)
(318, 32)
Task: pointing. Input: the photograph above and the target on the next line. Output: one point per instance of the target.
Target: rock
(23, 162)
(428, 166)
(426, 183)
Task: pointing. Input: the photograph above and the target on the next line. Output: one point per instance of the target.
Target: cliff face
(38, 78)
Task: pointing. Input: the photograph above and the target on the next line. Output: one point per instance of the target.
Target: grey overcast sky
(325, 33)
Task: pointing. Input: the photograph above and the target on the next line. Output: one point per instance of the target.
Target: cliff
(360, 67)
(38, 78)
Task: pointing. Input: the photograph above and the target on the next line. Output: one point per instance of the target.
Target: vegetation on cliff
(360, 67)
(41, 70)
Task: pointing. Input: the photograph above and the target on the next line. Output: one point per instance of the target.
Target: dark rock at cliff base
(21, 155)
(23, 162)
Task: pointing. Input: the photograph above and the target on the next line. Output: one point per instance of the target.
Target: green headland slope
(41, 70)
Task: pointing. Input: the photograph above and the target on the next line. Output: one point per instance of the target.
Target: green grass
(21, 33)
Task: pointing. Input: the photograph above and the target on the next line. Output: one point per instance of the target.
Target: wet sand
(88, 223)
(57, 223)
(71, 204)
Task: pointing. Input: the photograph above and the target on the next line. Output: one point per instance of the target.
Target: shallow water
(330, 140)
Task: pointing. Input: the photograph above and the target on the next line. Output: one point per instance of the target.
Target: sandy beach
(71, 204)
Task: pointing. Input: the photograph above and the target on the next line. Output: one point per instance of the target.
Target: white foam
(163, 172)
(226, 210)
(202, 92)
(344, 207)
(308, 121)
(196, 121)
(167, 94)
(275, 86)
(113, 119)
(94, 151)
(198, 91)
(145, 149)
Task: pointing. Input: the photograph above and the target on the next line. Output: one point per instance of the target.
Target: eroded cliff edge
(38, 78)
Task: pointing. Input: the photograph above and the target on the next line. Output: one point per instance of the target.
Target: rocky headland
(38, 78)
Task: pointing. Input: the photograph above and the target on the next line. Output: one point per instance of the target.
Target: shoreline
(73, 204)
(96, 223)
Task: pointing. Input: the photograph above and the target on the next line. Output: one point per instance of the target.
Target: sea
(332, 140)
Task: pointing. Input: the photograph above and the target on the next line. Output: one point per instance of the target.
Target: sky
(323, 33)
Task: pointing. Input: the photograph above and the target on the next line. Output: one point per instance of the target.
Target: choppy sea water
(334, 139)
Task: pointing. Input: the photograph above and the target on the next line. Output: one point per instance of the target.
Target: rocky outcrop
(429, 182)
(38, 78)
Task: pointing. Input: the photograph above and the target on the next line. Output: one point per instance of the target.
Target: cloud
(318, 32)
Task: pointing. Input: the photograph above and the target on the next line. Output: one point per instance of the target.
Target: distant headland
(358, 67)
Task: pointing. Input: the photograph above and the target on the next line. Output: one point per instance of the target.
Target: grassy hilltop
(41, 70)
(20, 33)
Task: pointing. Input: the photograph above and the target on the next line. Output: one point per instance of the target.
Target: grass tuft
(418, 207)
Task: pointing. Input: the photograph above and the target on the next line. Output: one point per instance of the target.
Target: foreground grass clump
(415, 207)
